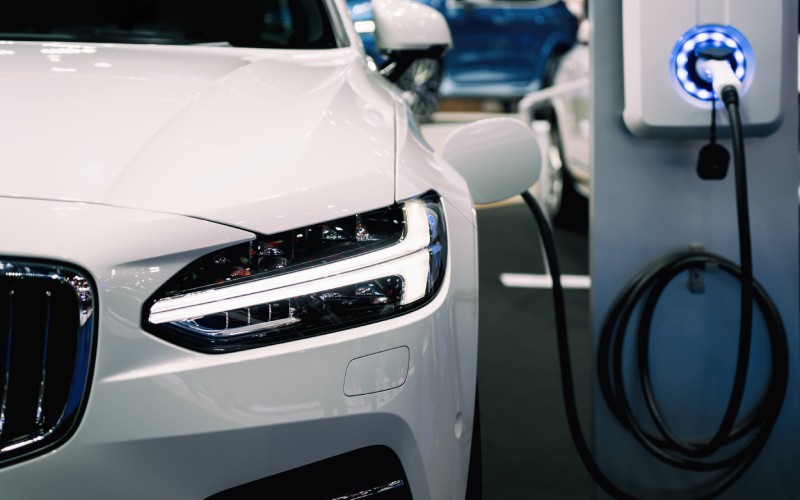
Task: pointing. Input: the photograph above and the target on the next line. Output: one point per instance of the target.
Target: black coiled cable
(748, 436)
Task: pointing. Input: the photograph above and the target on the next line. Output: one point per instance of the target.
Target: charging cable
(737, 442)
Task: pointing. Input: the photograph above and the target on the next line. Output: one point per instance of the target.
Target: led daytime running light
(413, 268)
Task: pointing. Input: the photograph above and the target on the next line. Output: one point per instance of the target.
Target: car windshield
(291, 24)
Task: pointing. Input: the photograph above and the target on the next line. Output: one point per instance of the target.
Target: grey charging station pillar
(648, 202)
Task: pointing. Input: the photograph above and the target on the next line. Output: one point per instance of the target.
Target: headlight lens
(306, 282)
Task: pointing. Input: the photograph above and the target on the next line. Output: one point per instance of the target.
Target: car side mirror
(406, 31)
(498, 157)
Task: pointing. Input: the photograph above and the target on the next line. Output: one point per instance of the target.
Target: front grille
(46, 351)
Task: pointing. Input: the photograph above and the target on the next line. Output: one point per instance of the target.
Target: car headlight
(305, 282)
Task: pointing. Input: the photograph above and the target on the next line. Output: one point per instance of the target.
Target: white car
(229, 264)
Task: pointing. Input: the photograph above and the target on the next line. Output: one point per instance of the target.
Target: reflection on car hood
(261, 139)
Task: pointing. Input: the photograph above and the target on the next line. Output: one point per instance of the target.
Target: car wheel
(475, 479)
(568, 209)
(420, 85)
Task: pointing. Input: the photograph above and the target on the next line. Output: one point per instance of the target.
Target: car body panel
(419, 167)
(289, 114)
(500, 48)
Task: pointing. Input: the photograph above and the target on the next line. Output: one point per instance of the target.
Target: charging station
(667, 96)
(651, 116)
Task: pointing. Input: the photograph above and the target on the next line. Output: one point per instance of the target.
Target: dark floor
(527, 450)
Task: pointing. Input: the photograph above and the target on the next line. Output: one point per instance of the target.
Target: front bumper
(165, 422)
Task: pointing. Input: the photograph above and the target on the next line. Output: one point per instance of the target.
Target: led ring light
(683, 63)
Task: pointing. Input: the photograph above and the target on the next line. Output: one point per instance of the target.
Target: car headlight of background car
(305, 282)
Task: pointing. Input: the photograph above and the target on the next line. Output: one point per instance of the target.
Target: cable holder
(713, 160)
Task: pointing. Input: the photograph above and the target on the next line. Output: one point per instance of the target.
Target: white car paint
(182, 129)
(133, 161)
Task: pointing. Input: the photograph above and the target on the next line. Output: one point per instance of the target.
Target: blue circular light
(696, 85)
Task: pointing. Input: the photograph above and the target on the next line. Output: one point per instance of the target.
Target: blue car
(502, 49)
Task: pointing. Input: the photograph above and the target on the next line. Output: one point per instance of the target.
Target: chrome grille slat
(47, 319)
(7, 367)
(46, 331)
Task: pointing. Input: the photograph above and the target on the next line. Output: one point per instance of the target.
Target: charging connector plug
(715, 65)
(720, 73)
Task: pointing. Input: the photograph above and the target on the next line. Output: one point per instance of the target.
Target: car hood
(265, 140)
